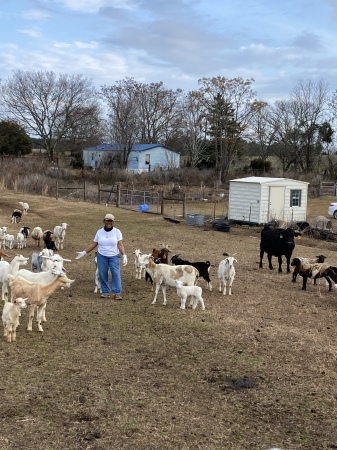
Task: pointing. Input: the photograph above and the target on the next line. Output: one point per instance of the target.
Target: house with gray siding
(142, 158)
(259, 200)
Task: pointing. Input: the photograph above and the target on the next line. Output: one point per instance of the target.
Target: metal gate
(134, 198)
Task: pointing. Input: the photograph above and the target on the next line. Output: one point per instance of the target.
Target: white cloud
(92, 6)
(35, 14)
(86, 45)
(31, 33)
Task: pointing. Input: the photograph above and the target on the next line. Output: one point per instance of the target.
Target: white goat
(141, 263)
(38, 294)
(3, 232)
(7, 268)
(9, 241)
(37, 235)
(20, 239)
(46, 259)
(59, 234)
(165, 275)
(226, 274)
(36, 262)
(25, 208)
(97, 279)
(10, 317)
(195, 292)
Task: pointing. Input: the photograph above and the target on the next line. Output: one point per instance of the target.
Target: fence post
(99, 192)
(57, 190)
(118, 200)
(84, 191)
(162, 193)
(184, 205)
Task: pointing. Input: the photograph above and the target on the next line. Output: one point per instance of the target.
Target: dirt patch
(253, 371)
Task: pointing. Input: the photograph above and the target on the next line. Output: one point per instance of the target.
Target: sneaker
(118, 297)
(105, 296)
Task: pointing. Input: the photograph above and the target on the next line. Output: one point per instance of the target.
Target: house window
(295, 197)
(92, 156)
(147, 159)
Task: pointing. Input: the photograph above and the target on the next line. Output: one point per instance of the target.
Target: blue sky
(174, 41)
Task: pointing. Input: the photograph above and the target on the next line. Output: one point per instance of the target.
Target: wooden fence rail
(327, 188)
(84, 189)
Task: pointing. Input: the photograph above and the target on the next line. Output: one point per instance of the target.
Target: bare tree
(124, 122)
(159, 112)
(297, 123)
(48, 106)
(228, 103)
(194, 123)
(262, 133)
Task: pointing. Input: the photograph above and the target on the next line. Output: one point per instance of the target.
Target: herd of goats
(32, 288)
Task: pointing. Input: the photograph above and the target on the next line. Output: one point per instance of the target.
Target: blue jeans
(104, 263)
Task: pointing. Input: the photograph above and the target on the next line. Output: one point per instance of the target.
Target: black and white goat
(25, 232)
(48, 241)
(316, 270)
(202, 267)
(16, 216)
(318, 259)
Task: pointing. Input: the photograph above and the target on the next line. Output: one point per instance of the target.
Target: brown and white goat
(37, 293)
(164, 275)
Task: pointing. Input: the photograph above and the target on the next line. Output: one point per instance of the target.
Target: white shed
(259, 200)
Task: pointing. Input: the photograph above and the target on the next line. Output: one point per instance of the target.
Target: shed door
(276, 203)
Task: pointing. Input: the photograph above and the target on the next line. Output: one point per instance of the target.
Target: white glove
(125, 260)
(80, 254)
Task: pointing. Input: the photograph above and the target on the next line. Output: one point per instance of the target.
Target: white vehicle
(332, 211)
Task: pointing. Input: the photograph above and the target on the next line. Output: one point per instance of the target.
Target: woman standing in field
(109, 241)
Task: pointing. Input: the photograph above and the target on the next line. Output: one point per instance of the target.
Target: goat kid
(10, 317)
(25, 207)
(59, 234)
(141, 263)
(195, 292)
(98, 287)
(16, 216)
(226, 274)
(3, 232)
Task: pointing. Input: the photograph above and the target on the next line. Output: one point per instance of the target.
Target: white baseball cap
(109, 217)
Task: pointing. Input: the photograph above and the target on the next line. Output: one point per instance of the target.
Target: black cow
(277, 242)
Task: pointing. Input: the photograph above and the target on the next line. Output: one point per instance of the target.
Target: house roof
(135, 147)
(262, 180)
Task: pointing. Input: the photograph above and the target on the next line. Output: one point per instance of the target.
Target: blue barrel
(143, 208)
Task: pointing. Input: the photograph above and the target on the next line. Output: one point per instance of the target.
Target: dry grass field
(253, 371)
